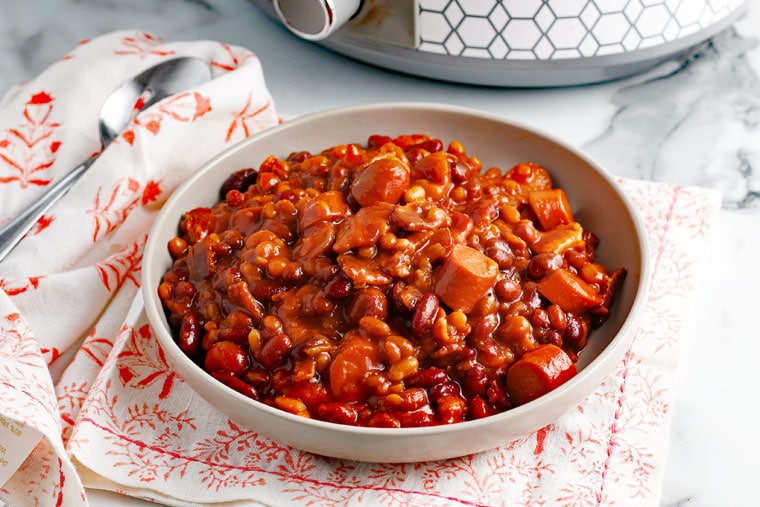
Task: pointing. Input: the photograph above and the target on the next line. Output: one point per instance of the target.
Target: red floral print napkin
(68, 287)
(120, 419)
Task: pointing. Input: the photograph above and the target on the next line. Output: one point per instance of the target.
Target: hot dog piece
(551, 207)
(537, 372)
(384, 180)
(464, 277)
(568, 291)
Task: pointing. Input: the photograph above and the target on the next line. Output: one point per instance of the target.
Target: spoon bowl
(154, 84)
(119, 109)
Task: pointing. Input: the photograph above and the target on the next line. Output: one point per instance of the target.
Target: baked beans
(392, 284)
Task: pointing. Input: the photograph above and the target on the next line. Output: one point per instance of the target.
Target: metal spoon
(118, 110)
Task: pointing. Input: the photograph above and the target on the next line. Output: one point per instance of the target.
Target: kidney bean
(189, 337)
(424, 313)
(575, 328)
(550, 336)
(414, 155)
(507, 289)
(431, 145)
(444, 389)
(275, 350)
(500, 252)
(234, 334)
(237, 384)
(405, 298)
(367, 302)
(426, 378)
(460, 171)
(239, 180)
(376, 141)
(338, 287)
(340, 413)
(542, 264)
(264, 289)
(474, 381)
(478, 408)
(226, 357)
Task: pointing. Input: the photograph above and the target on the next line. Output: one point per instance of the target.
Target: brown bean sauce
(392, 284)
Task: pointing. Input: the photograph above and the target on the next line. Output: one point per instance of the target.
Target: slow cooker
(515, 43)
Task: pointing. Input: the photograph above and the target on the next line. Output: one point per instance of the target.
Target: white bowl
(597, 202)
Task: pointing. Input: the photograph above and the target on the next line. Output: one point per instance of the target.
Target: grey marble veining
(690, 121)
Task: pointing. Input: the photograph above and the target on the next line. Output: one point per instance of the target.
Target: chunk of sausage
(569, 291)
(552, 208)
(537, 372)
(385, 179)
(464, 277)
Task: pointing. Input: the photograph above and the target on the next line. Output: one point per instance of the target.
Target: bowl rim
(621, 339)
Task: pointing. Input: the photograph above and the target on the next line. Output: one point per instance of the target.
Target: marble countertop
(694, 121)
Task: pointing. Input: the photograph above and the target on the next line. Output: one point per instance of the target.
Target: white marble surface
(688, 122)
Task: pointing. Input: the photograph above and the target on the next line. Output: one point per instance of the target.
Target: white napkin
(120, 419)
(77, 273)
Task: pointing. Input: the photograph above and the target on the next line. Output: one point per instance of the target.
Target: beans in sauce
(398, 283)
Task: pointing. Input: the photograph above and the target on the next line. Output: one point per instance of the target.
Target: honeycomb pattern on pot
(554, 29)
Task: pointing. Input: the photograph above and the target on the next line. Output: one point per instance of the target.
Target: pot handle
(315, 19)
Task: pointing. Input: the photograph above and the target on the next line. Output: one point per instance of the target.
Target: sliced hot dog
(383, 180)
(464, 277)
(569, 291)
(551, 207)
(537, 372)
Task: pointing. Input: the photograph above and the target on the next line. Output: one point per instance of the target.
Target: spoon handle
(12, 232)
